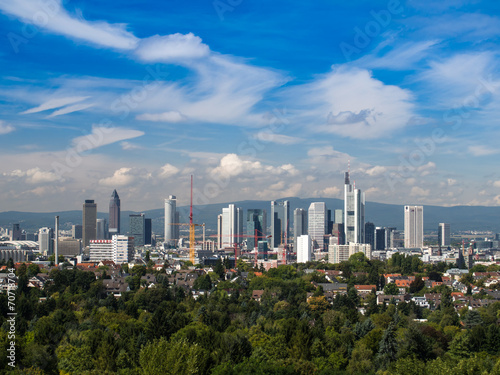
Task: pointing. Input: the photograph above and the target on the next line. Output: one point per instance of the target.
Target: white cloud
(496, 184)
(55, 103)
(480, 150)
(129, 146)
(121, 177)
(5, 128)
(417, 191)
(172, 48)
(34, 175)
(233, 165)
(328, 192)
(376, 171)
(401, 57)
(52, 16)
(268, 136)
(71, 109)
(102, 136)
(168, 170)
(351, 103)
(170, 116)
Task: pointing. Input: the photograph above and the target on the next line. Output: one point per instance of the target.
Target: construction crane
(192, 227)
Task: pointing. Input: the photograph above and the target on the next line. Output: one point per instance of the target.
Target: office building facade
(280, 222)
(341, 253)
(317, 223)
(414, 226)
(304, 248)
(89, 221)
(354, 212)
(138, 229)
(114, 213)
(256, 226)
(46, 241)
(172, 231)
(444, 234)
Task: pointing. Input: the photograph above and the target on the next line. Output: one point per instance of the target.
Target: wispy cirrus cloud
(53, 17)
(55, 103)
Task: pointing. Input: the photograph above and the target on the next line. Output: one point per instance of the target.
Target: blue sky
(259, 100)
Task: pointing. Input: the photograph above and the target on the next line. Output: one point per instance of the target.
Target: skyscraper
(444, 234)
(76, 231)
(89, 222)
(170, 218)
(114, 213)
(101, 229)
(45, 241)
(414, 226)
(339, 217)
(16, 232)
(304, 251)
(370, 234)
(299, 224)
(256, 221)
(280, 222)
(232, 223)
(138, 228)
(354, 212)
(317, 223)
(148, 231)
(219, 231)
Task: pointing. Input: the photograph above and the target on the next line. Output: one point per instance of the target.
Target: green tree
(219, 268)
(162, 357)
(391, 289)
(361, 360)
(388, 347)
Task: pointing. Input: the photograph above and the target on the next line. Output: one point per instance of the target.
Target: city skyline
(99, 96)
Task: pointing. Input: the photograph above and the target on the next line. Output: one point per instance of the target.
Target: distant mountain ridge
(460, 217)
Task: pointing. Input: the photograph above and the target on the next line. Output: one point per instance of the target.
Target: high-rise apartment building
(114, 213)
(414, 226)
(354, 212)
(171, 218)
(138, 228)
(444, 234)
(256, 221)
(317, 223)
(89, 221)
(280, 222)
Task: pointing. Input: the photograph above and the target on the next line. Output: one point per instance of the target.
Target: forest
(72, 326)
